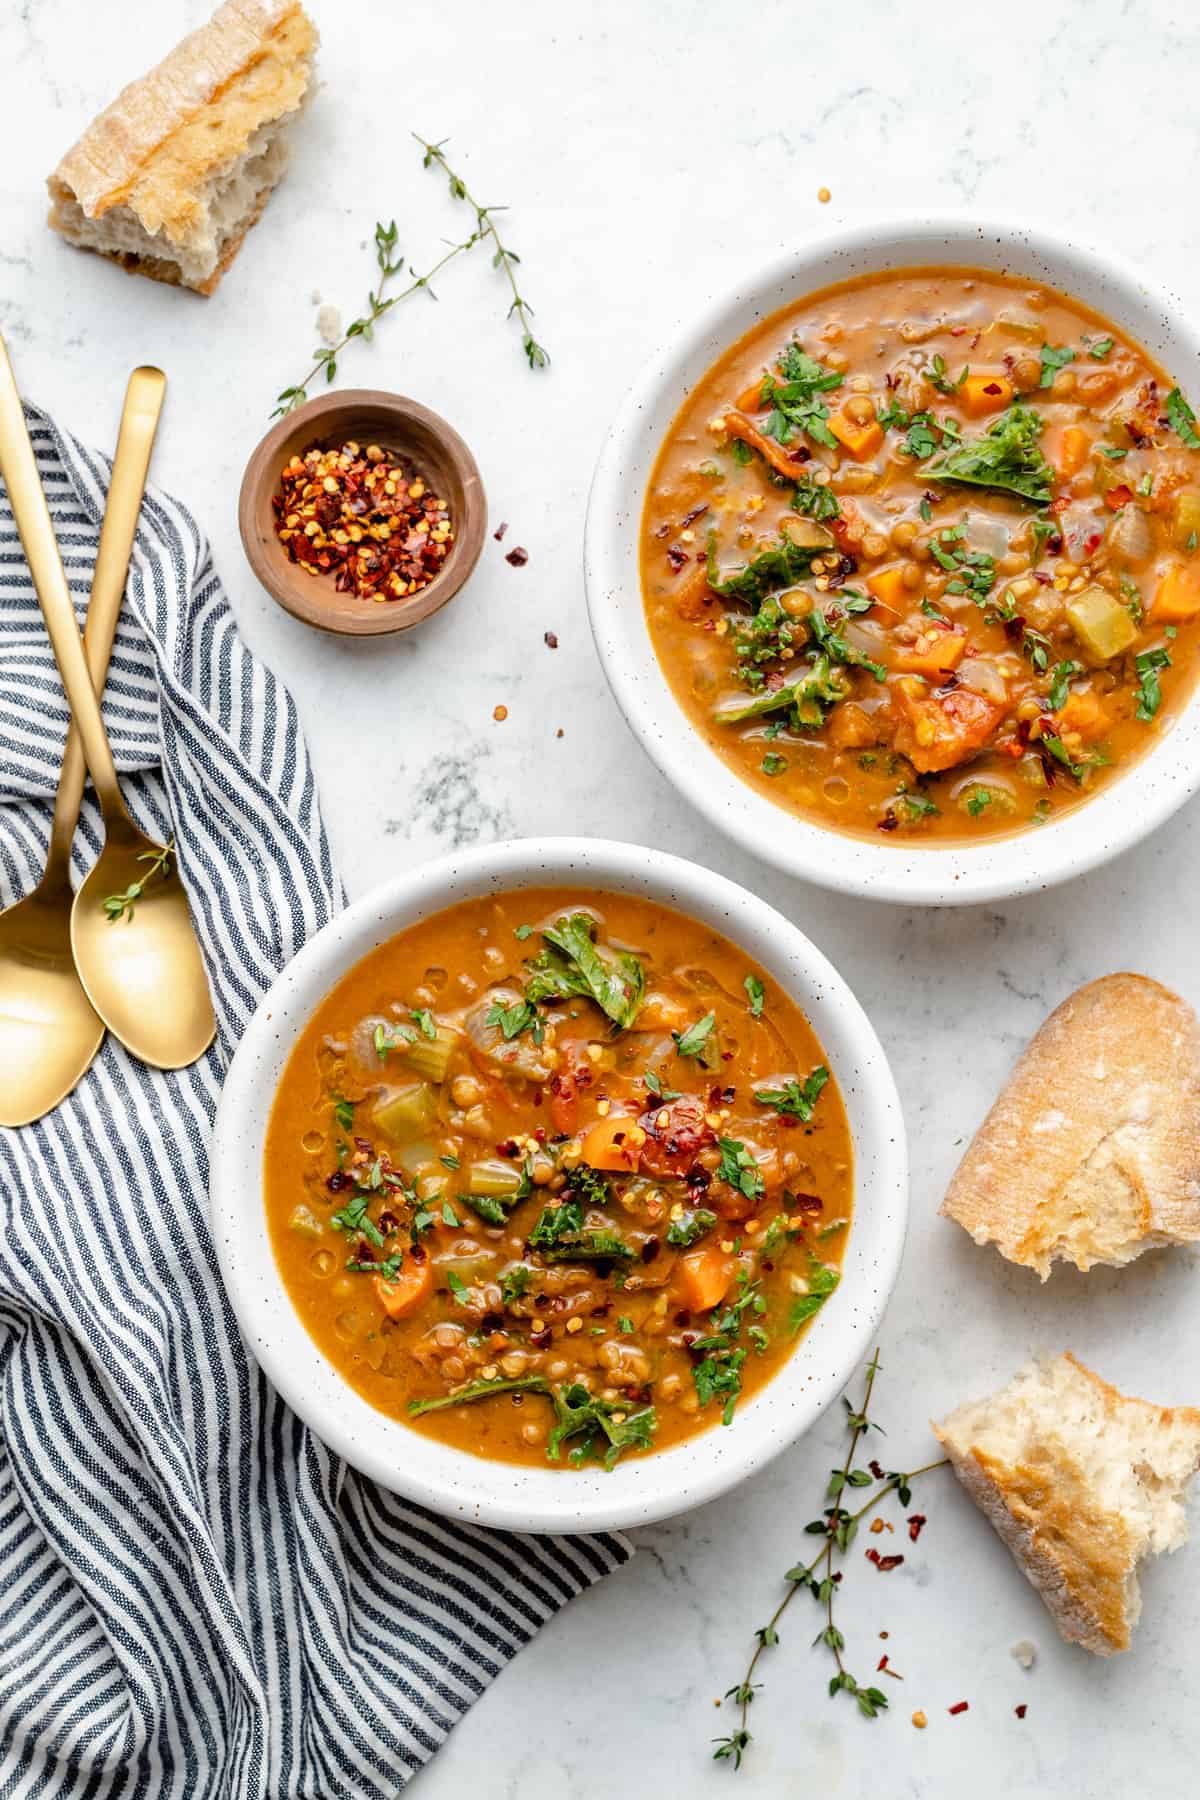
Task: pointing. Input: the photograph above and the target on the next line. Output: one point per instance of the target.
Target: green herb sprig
(120, 906)
(837, 1527)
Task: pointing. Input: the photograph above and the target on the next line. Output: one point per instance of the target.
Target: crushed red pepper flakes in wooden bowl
(364, 518)
(419, 542)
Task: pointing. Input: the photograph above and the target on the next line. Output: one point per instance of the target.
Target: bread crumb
(1025, 1652)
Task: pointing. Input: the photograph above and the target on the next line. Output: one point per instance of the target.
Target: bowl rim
(455, 1483)
(262, 473)
(1130, 806)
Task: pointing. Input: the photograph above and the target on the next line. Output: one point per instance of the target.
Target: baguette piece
(1081, 1482)
(1091, 1153)
(170, 178)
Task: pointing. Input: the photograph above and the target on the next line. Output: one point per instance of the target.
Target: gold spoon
(49, 1031)
(143, 973)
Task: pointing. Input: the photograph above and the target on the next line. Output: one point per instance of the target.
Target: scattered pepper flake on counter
(916, 1524)
(919, 1720)
(364, 518)
(517, 557)
(1021, 1710)
(885, 1564)
(500, 530)
(500, 713)
(962, 1706)
(550, 639)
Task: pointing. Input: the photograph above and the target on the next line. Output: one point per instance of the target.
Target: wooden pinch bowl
(412, 433)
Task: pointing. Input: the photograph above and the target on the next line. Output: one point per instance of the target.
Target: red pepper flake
(365, 517)
(963, 1706)
(500, 530)
(676, 556)
(1118, 496)
(517, 557)
(992, 387)
(884, 1563)
(550, 639)
(1021, 1710)
(916, 1525)
(875, 1469)
(883, 1667)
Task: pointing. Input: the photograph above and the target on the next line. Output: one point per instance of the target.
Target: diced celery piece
(430, 1057)
(494, 1180)
(407, 1112)
(1013, 322)
(1102, 625)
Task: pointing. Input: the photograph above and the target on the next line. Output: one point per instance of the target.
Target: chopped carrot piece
(980, 394)
(693, 597)
(1178, 594)
(412, 1286)
(860, 440)
(782, 460)
(703, 1278)
(887, 586)
(940, 730)
(1083, 713)
(614, 1143)
(936, 652)
(1073, 450)
(751, 399)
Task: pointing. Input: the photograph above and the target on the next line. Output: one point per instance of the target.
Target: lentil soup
(920, 554)
(555, 1176)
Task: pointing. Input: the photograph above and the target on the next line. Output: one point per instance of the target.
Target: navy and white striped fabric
(196, 1598)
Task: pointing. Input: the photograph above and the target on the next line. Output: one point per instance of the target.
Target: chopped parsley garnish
(515, 1283)
(1060, 683)
(1100, 348)
(837, 647)
(522, 932)
(1112, 453)
(560, 1236)
(971, 572)
(694, 1041)
(912, 807)
(796, 1099)
(821, 1283)
(1148, 665)
(780, 565)
(1182, 420)
(739, 1169)
(755, 993)
(513, 1020)
(343, 1112)
(795, 402)
(449, 1161)
(937, 376)
(423, 1020)
(654, 1086)
(625, 1325)
(815, 500)
(449, 1216)
(719, 1375)
(387, 1270)
(353, 1217)
(457, 1286)
(1052, 361)
(978, 800)
(773, 763)
(393, 1037)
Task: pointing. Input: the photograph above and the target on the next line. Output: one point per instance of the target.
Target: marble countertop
(648, 154)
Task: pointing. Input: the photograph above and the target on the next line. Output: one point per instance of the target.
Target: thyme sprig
(326, 359)
(120, 906)
(502, 257)
(838, 1527)
(389, 265)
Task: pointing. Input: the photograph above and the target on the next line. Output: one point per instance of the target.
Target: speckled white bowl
(1125, 809)
(637, 1490)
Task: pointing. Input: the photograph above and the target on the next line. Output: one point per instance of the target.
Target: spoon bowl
(136, 951)
(49, 1031)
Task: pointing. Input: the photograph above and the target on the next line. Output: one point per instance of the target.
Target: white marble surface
(648, 154)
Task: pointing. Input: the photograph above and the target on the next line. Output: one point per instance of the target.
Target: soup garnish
(558, 1178)
(921, 554)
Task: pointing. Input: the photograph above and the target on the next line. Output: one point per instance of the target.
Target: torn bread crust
(170, 178)
(1080, 1482)
(1091, 1153)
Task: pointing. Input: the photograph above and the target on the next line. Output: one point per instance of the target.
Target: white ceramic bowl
(1125, 809)
(637, 1490)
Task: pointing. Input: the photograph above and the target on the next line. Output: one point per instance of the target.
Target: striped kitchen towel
(196, 1598)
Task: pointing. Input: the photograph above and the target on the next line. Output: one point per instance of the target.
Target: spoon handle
(19, 469)
(135, 442)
